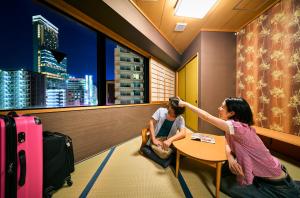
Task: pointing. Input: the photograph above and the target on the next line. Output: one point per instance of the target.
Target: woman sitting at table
(165, 126)
(251, 170)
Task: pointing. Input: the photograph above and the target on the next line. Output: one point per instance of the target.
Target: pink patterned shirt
(254, 158)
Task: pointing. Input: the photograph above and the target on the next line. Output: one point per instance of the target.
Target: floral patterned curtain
(268, 67)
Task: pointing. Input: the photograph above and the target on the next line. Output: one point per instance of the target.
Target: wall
(94, 131)
(268, 73)
(216, 76)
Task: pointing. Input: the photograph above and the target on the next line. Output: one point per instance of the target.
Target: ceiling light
(193, 8)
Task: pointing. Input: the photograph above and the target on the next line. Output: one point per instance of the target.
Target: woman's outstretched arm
(219, 123)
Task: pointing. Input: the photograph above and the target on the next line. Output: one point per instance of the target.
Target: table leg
(218, 178)
(177, 163)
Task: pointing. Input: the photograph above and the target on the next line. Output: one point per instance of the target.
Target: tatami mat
(128, 174)
(82, 175)
(199, 178)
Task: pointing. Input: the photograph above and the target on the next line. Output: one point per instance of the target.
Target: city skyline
(75, 40)
(46, 57)
(60, 56)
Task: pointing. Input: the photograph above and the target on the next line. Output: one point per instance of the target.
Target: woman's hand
(181, 103)
(157, 142)
(235, 167)
(166, 144)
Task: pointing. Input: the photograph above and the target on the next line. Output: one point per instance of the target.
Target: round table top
(202, 150)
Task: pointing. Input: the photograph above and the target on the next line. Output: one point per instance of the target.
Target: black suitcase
(58, 161)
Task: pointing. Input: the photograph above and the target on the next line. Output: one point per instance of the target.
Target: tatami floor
(123, 172)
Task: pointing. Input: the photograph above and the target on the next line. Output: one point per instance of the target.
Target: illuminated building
(129, 77)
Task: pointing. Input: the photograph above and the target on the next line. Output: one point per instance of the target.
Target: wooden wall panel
(94, 131)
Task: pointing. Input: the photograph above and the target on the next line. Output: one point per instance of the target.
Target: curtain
(268, 67)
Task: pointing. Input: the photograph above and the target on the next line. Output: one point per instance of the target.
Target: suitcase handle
(22, 158)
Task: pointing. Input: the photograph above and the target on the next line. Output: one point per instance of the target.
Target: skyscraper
(21, 89)
(56, 97)
(46, 59)
(75, 91)
(80, 91)
(129, 77)
(90, 96)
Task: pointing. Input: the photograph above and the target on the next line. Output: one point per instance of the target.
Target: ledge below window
(64, 109)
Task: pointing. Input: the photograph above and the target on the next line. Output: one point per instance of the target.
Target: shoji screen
(162, 82)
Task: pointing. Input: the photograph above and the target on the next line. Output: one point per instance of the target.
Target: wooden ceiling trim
(245, 13)
(168, 23)
(141, 11)
(148, 6)
(251, 6)
(240, 18)
(233, 21)
(179, 39)
(260, 13)
(162, 14)
(216, 30)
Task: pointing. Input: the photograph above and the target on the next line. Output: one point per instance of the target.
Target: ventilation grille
(180, 27)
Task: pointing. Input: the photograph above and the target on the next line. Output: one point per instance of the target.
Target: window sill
(65, 109)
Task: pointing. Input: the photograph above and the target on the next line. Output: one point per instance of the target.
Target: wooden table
(210, 154)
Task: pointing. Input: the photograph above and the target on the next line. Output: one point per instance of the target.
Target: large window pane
(46, 59)
(125, 71)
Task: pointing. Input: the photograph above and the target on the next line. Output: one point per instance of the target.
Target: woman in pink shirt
(251, 170)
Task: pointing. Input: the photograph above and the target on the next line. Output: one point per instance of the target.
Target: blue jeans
(261, 188)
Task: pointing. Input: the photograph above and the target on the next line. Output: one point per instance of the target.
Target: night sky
(75, 40)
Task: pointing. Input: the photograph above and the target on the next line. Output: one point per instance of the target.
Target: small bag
(163, 154)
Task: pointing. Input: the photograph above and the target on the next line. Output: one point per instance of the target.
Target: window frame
(66, 10)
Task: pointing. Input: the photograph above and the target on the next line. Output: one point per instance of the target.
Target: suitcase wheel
(48, 196)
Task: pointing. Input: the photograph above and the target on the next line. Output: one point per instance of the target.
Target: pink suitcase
(21, 149)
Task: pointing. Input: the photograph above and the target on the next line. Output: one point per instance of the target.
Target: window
(58, 62)
(127, 70)
(46, 59)
(137, 60)
(162, 82)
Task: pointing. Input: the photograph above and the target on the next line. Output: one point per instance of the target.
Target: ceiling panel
(149, 6)
(212, 20)
(226, 15)
(253, 5)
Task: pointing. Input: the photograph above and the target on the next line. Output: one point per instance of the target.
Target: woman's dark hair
(241, 109)
(173, 102)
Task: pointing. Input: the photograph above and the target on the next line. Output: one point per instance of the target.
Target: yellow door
(191, 92)
(181, 85)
